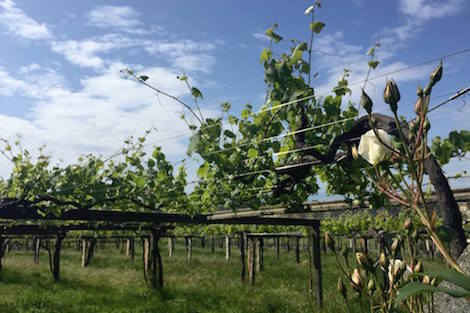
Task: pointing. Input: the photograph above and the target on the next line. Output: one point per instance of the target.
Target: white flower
(372, 150)
(309, 10)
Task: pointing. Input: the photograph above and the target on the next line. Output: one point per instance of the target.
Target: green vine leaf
(317, 27)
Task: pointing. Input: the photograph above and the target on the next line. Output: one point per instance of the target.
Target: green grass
(208, 283)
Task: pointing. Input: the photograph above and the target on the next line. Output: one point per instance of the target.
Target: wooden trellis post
(242, 256)
(171, 246)
(85, 251)
(276, 248)
(36, 249)
(212, 244)
(297, 249)
(130, 248)
(227, 247)
(146, 254)
(323, 245)
(54, 256)
(189, 248)
(317, 274)
(352, 245)
(156, 267)
(2, 252)
(250, 259)
(364, 244)
(259, 253)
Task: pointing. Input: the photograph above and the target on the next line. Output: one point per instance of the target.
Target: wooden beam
(22, 213)
(317, 274)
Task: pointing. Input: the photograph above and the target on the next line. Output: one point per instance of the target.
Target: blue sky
(59, 63)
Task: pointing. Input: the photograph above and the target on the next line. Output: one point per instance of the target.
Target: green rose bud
(436, 74)
(371, 286)
(356, 280)
(419, 91)
(364, 261)
(418, 267)
(418, 105)
(426, 125)
(383, 260)
(391, 95)
(395, 245)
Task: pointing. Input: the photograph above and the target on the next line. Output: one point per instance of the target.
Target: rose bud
(419, 91)
(418, 267)
(427, 280)
(364, 261)
(356, 280)
(436, 74)
(391, 95)
(426, 125)
(395, 245)
(383, 261)
(418, 105)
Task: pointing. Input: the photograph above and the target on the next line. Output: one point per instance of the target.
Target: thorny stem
(423, 213)
(395, 180)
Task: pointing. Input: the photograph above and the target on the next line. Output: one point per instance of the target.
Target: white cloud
(84, 53)
(333, 54)
(33, 81)
(123, 18)
(184, 55)
(113, 16)
(423, 9)
(98, 116)
(187, 55)
(20, 25)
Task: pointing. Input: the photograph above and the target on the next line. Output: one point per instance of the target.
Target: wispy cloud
(187, 55)
(84, 53)
(424, 10)
(123, 18)
(32, 81)
(18, 24)
(99, 115)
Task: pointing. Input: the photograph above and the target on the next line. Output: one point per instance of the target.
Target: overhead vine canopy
(136, 181)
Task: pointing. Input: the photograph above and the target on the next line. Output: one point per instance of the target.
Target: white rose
(372, 150)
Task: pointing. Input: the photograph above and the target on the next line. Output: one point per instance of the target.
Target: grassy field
(208, 283)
